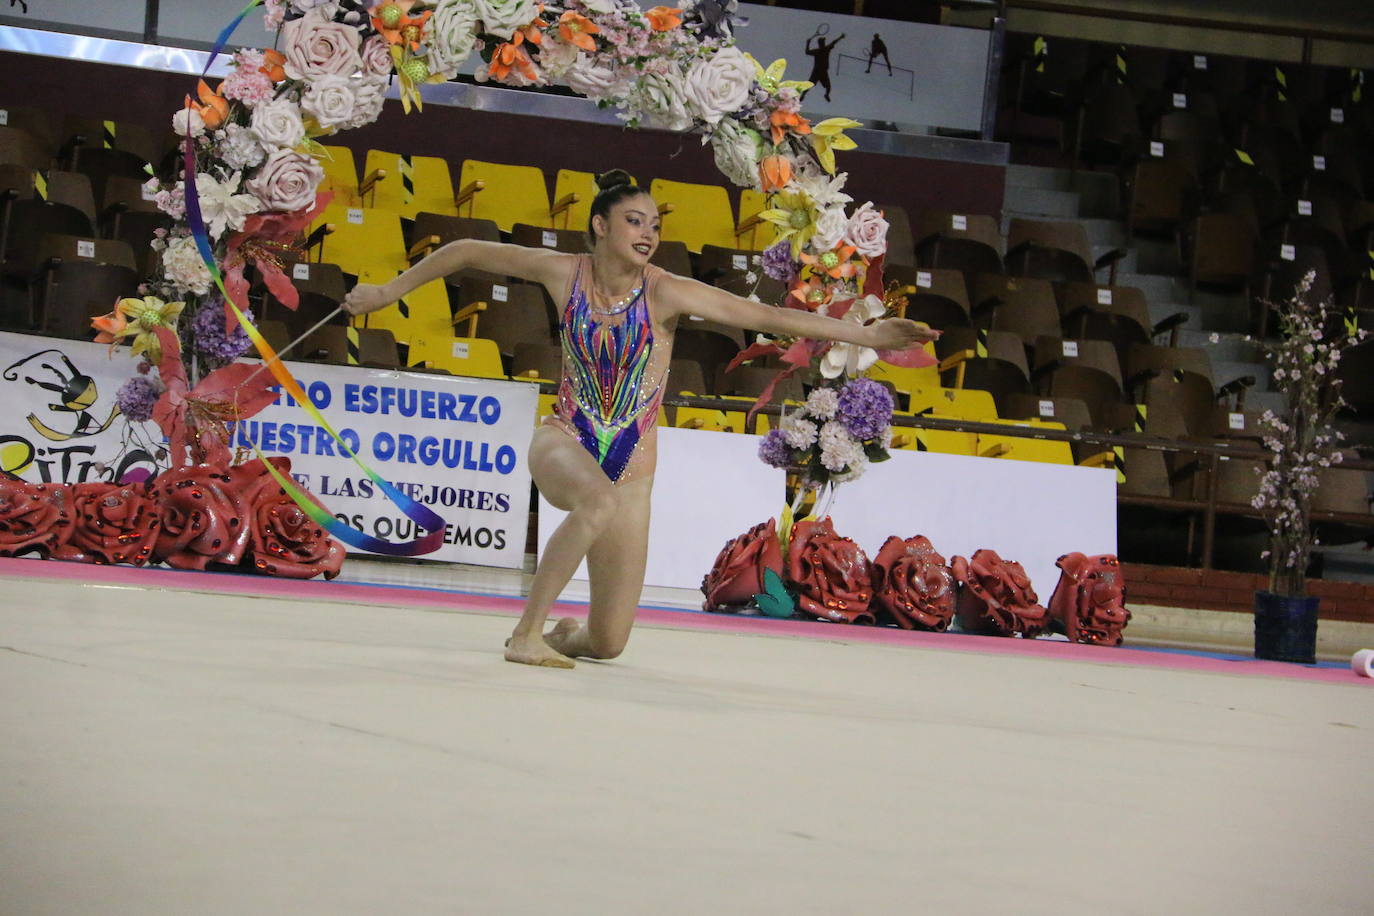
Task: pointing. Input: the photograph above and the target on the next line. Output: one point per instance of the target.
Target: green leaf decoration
(775, 601)
(875, 453)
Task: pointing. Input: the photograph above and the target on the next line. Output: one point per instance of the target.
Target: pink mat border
(419, 597)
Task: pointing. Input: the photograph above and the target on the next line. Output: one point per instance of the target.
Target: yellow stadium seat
(340, 176)
(475, 357)
(959, 403)
(704, 418)
(409, 184)
(547, 402)
(363, 240)
(906, 380)
(573, 193)
(504, 194)
(694, 214)
(753, 233)
(944, 441)
(738, 419)
(423, 313)
(1022, 448)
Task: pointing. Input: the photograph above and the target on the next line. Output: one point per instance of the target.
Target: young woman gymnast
(594, 456)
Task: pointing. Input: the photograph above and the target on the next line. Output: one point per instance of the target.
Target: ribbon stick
(421, 515)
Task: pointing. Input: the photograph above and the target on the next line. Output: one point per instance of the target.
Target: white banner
(712, 487)
(458, 445)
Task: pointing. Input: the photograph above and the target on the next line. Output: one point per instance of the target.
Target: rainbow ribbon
(421, 515)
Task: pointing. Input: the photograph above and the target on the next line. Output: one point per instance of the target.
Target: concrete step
(1260, 401)
(1039, 203)
(1038, 176)
(1156, 256)
(1108, 232)
(1240, 348)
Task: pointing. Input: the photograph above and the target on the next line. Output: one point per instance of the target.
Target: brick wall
(1216, 590)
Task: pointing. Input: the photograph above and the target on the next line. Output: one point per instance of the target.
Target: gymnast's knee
(606, 645)
(598, 509)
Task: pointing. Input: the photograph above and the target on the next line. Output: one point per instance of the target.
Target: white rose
(737, 150)
(452, 30)
(287, 181)
(720, 84)
(867, 231)
(369, 95)
(329, 100)
(277, 124)
(183, 265)
(660, 97)
(188, 121)
(596, 81)
(314, 45)
(831, 227)
(600, 6)
(503, 17)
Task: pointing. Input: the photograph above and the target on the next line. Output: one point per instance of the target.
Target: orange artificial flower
(512, 56)
(664, 18)
(782, 120)
(811, 293)
(213, 107)
(776, 172)
(274, 65)
(393, 20)
(109, 325)
(836, 264)
(576, 29)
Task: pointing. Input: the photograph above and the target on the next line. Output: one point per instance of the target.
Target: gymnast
(594, 456)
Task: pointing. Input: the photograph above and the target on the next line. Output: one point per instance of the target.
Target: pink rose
(287, 181)
(867, 231)
(314, 45)
(376, 56)
(329, 100)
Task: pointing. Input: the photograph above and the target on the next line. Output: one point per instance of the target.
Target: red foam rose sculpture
(912, 584)
(737, 575)
(1089, 601)
(33, 517)
(996, 598)
(204, 517)
(283, 540)
(830, 573)
(110, 523)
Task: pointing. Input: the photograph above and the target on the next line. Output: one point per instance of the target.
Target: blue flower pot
(1286, 628)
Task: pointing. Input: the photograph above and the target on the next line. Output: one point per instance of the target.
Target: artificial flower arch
(252, 148)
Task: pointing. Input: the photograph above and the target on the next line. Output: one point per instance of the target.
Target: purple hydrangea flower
(865, 408)
(778, 263)
(207, 330)
(136, 398)
(773, 450)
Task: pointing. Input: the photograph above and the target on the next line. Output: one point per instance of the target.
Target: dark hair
(612, 187)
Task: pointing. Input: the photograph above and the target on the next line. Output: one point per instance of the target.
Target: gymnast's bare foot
(562, 631)
(530, 649)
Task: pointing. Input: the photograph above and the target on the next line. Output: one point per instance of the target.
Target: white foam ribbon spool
(1363, 662)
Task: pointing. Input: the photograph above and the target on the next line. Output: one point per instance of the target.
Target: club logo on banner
(61, 423)
(458, 445)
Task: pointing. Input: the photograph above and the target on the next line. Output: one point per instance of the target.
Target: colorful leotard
(613, 374)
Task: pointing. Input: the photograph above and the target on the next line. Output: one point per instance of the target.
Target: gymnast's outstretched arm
(538, 265)
(692, 297)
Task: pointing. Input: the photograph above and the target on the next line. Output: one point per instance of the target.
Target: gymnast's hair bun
(613, 179)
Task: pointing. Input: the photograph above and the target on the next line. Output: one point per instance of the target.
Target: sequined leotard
(613, 375)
